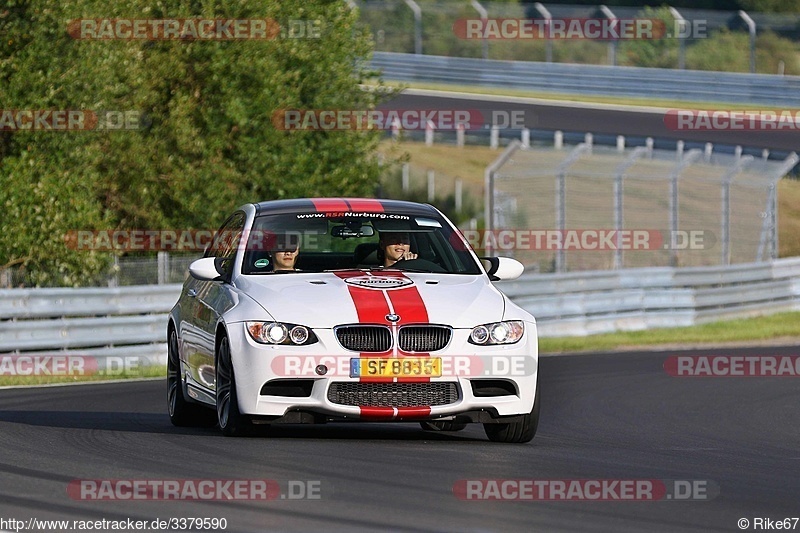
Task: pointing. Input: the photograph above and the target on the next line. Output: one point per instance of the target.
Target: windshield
(316, 242)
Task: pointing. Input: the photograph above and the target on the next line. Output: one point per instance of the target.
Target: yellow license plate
(391, 367)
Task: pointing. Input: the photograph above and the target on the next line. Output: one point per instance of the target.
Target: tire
(230, 420)
(443, 425)
(182, 413)
(522, 431)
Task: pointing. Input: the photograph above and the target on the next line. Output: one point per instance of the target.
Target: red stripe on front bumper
(383, 413)
(403, 413)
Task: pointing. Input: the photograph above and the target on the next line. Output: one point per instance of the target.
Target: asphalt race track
(605, 416)
(591, 118)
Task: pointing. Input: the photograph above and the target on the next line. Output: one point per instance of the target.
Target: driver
(394, 246)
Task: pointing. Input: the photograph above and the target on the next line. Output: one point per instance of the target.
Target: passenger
(394, 246)
(284, 254)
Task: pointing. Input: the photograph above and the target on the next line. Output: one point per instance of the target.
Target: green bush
(654, 53)
(730, 51)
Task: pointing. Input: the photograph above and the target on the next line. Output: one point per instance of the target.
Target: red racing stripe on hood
(408, 303)
(371, 308)
(367, 205)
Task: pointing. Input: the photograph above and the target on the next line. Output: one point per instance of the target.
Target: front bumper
(514, 366)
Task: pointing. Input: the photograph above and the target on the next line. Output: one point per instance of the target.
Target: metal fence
(426, 27)
(160, 269)
(585, 303)
(588, 207)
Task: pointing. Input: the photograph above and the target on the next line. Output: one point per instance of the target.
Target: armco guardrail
(584, 303)
(682, 85)
(131, 321)
(94, 322)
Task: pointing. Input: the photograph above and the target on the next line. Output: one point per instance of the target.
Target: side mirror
(502, 268)
(205, 269)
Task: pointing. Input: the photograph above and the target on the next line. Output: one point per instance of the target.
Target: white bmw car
(322, 310)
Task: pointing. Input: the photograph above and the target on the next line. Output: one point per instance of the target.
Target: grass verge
(153, 371)
(749, 330)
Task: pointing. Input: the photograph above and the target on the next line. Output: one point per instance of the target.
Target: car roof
(334, 205)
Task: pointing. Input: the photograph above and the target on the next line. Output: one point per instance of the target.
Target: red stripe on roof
(324, 205)
(369, 205)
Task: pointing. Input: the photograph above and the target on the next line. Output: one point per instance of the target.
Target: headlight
(497, 333)
(279, 333)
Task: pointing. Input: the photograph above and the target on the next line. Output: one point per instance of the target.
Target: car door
(213, 298)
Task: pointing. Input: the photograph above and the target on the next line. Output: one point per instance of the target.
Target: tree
(205, 143)
(659, 52)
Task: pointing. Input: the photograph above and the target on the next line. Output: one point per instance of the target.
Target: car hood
(324, 300)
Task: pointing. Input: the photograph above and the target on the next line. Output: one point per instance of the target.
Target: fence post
(620, 143)
(682, 24)
(488, 184)
(163, 267)
(558, 140)
(548, 43)
(460, 136)
(429, 133)
(619, 176)
(431, 186)
(526, 138)
(727, 180)
(561, 218)
(561, 199)
(769, 227)
(708, 150)
(417, 25)
(690, 157)
(406, 181)
(484, 16)
(773, 252)
(459, 194)
(612, 44)
(114, 280)
(751, 29)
